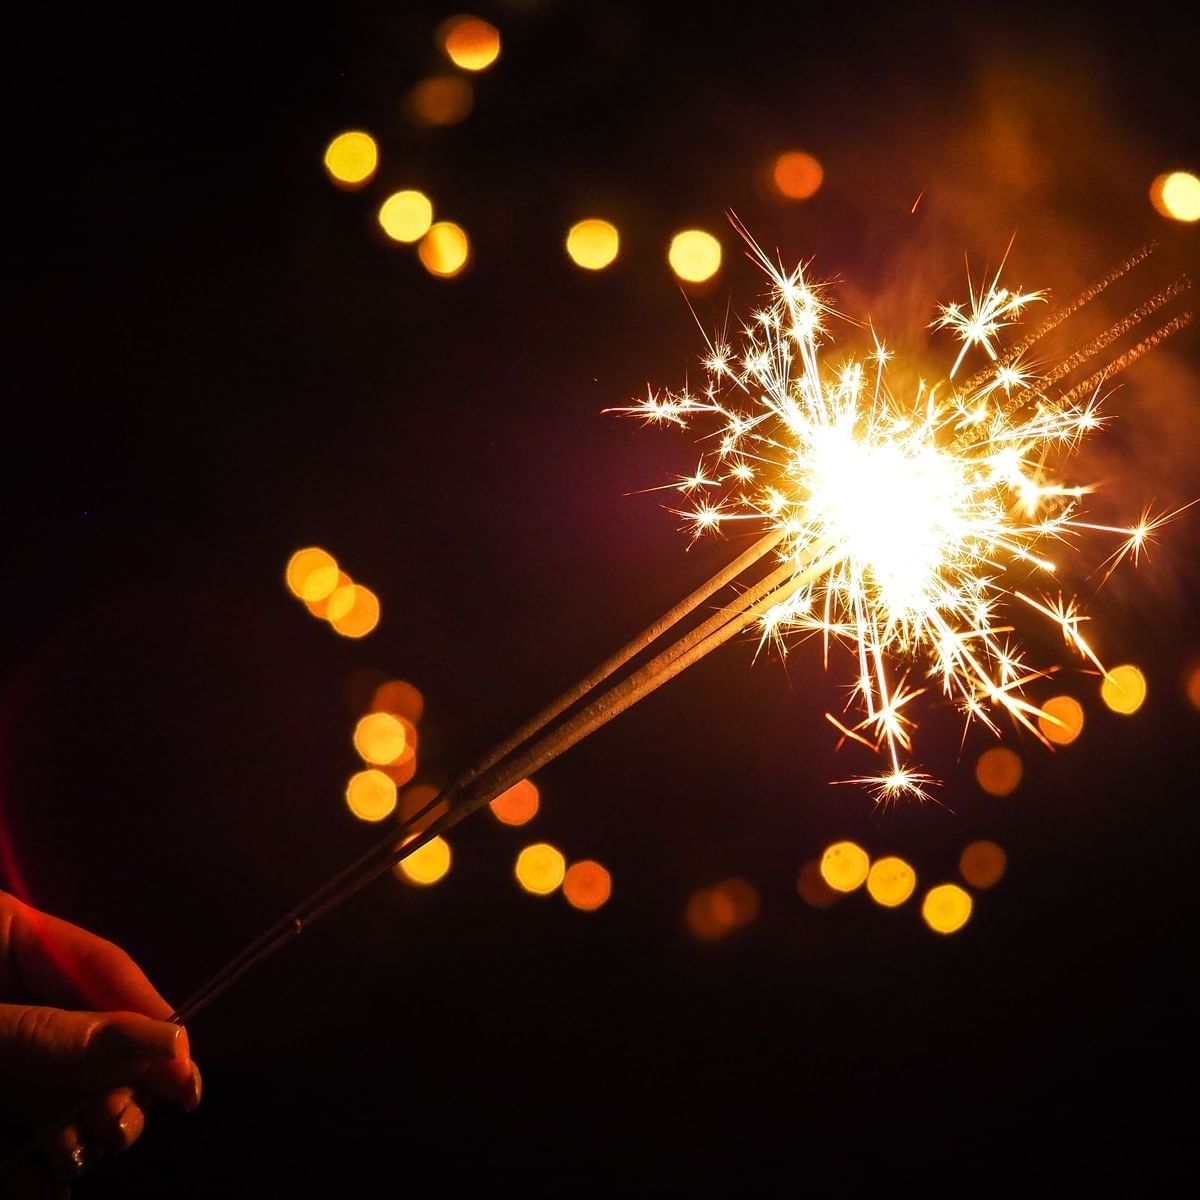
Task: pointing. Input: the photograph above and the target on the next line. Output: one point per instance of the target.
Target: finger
(173, 1079)
(68, 966)
(52, 1051)
(68, 1154)
(113, 1122)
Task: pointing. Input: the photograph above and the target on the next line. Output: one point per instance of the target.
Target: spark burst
(922, 502)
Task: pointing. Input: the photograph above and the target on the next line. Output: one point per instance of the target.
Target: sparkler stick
(1088, 386)
(290, 924)
(1058, 315)
(1102, 341)
(480, 786)
(889, 518)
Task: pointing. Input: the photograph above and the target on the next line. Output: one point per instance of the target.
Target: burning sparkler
(891, 519)
(890, 523)
(917, 503)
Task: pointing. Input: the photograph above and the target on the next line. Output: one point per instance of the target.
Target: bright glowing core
(896, 509)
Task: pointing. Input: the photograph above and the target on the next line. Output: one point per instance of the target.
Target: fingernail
(82, 1156)
(140, 1039)
(193, 1100)
(131, 1122)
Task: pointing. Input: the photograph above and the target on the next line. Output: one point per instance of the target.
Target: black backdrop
(214, 358)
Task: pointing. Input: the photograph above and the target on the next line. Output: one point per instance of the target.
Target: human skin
(82, 1031)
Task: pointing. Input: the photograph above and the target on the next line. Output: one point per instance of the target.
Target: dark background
(215, 358)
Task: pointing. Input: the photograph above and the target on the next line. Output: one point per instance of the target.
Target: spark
(926, 498)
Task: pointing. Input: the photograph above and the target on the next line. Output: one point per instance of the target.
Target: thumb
(55, 1050)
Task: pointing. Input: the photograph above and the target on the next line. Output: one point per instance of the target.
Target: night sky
(216, 357)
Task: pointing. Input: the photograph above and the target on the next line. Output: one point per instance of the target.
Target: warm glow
(713, 912)
(701, 919)
(982, 864)
(469, 43)
(406, 216)
(312, 574)
(426, 865)
(518, 805)
(734, 902)
(998, 771)
(400, 697)
(353, 610)
(891, 881)
(1124, 689)
(916, 511)
(593, 243)
(320, 608)
(404, 769)
(1193, 687)
(415, 798)
(694, 255)
(540, 868)
(1061, 720)
(798, 175)
(380, 738)
(813, 889)
(444, 249)
(946, 908)
(587, 885)
(844, 866)
(441, 100)
(1177, 195)
(351, 159)
(371, 795)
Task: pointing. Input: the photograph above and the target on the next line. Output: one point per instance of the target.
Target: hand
(80, 1022)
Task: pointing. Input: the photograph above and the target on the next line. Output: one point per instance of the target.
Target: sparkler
(921, 502)
(885, 522)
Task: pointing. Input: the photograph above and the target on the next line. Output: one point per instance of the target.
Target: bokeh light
(813, 889)
(1177, 195)
(1124, 689)
(1192, 687)
(371, 795)
(312, 574)
(1062, 720)
(351, 159)
(998, 771)
(380, 738)
(440, 100)
(353, 610)
(798, 175)
(518, 805)
(540, 868)
(469, 43)
(735, 901)
(320, 608)
(414, 799)
(694, 255)
(844, 866)
(406, 216)
(444, 249)
(593, 243)
(713, 912)
(701, 920)
(946, 908)
(587, 885)
(891, 881)
(982, 864)
(401, 698)
(426, 865)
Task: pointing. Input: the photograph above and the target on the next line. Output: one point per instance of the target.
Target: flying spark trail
(918, 502)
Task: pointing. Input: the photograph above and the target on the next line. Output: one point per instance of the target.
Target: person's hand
(79, 1022)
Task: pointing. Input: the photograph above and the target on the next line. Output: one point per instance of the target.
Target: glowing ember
(919, 501)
